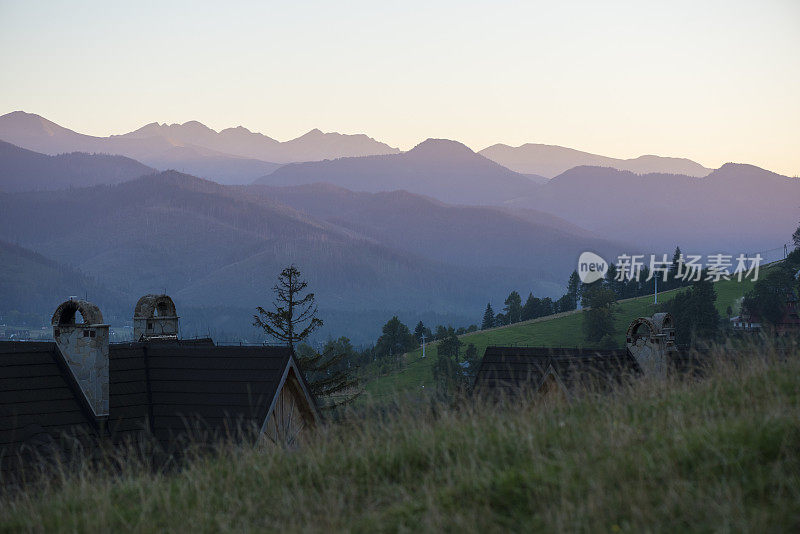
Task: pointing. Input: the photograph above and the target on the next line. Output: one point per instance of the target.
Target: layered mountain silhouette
(551, 160)
(214, 246)
(522, 245)
(25, 170)
(32, 283)
(239, 141)
(737, 208)
(234, 155)
(439, 168)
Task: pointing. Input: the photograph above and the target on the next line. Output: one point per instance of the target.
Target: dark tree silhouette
(598, 320)
(573, 291)
(330, 374)
(488, 317)
(295, 316)
(513, 308)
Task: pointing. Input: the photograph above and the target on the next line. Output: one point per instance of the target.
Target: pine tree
(396, 339)
(599, 318)
(330, 374)
(295, 316)
(530, 308)
(488, 317)
(450, 345)
(573, 290)
(696, 317)
(796, 237)
(675, 269)
(513, 308)
(612, 283)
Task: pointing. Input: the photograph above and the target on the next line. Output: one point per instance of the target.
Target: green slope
(561, 330)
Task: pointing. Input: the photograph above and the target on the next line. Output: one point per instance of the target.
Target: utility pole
(423, 344)
(655, 278)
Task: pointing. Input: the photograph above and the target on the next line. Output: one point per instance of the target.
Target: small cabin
(561, 372)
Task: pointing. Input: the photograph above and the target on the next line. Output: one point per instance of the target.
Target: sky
(714, 81)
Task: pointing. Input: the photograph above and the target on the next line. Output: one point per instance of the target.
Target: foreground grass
(719, 454)
(560, 330)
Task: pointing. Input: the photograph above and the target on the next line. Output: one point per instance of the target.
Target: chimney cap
(150, 306)
(65, 313)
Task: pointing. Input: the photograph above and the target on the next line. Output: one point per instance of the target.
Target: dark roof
(175, 388)
(507, 371)
(40, 402)
(179, 389)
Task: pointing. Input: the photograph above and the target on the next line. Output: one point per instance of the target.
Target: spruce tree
(674, 269)
(513, 308)
(796, 237)
(573, 290)
(295, 316)
(530, 308)
(488, 317)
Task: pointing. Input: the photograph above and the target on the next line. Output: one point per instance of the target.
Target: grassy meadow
(716, 454)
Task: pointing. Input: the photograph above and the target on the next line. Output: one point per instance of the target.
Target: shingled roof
(40, 405)
(508, 371)
(206, 390)
(173, 391)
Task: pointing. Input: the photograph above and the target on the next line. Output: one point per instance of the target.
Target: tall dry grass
(720, 452)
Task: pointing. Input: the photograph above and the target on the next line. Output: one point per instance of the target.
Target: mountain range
(215, 246)
(736, 209)
(551, 160)
(239, 141)
(191, 147)
(439, 168)
(25, 170)
(654, 211)
(434, 232)
(238, 155)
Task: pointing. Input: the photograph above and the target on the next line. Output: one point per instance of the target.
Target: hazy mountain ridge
(737, 208)
(233, 155)
(311, 146)
(41, 135)
(439, 168)
(32, 283)
(25, 170)
(212, 245)
(520, 245)
(551, 160)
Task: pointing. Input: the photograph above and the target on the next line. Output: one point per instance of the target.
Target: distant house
(79, 390)
(789, 323)
(561, 372)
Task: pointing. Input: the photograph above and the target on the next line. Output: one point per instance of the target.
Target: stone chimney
(84, 346)
(155, 318)
(651, 341)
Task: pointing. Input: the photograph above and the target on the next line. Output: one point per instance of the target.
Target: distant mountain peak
(441, 147)
(316, 132)
(196, 126)
(30, 124)
(552, 160)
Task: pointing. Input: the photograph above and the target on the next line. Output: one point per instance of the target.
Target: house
(789, 323)
(81, 391)
(562, 372)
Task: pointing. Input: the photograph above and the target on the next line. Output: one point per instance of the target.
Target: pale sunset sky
(714, 81)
